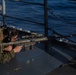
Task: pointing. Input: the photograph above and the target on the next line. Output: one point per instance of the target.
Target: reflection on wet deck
(33, 62)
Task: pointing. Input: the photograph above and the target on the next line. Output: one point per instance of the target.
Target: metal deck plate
(65, 70)
(33, 62)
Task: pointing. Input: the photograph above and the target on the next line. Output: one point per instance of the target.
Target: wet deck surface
(33, 62)
(37, 62)
(65, 70)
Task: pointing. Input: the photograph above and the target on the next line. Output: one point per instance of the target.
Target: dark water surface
(66, 9)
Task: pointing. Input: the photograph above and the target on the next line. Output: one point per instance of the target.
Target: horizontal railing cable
(62, 36)
(22, 19)
(33, 3)
(51, 29)
(58, 17)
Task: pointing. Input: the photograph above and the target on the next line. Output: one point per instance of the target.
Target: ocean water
(65, 9)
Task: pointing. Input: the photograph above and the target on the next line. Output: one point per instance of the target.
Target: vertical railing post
(3, 12)
(46, 23)
(46, 18)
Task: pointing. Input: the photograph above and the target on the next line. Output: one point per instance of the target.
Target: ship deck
(65, 70)
(36, 62)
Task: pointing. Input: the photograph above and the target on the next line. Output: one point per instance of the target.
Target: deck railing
(45, 24)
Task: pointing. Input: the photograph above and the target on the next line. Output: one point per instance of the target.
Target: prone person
(10, 50)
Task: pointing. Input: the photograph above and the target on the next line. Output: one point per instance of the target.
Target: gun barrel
(25, 41)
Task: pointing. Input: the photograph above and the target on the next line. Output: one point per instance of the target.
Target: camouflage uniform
(1, 35)
(5, 56)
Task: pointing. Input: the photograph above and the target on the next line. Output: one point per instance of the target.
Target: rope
(58, 17)
(22, 19)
